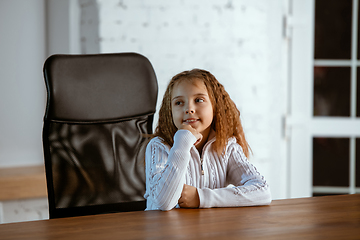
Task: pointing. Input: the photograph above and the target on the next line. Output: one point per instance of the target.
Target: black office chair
(99, 110)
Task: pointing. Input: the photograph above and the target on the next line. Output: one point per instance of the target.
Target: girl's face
(190, 103)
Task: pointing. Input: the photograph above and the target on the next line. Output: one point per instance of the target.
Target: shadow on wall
(89, 26)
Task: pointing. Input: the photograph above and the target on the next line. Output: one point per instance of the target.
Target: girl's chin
(194, 124)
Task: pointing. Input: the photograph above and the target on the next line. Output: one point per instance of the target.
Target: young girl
(199, 148)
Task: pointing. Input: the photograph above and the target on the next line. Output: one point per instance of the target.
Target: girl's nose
(189, 108)
(189, 111)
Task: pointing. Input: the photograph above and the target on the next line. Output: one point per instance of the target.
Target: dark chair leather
(99, 108)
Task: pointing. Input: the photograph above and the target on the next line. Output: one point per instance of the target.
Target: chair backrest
(99, 109)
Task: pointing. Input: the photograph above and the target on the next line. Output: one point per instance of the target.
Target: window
(336, 97)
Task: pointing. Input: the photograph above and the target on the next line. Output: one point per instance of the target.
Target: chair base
(97, 209)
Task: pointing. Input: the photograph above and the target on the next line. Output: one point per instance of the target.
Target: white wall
(241, 42)
(30, 31)
(22, 89)
(62, 27)
(22, 97)
(24, 210)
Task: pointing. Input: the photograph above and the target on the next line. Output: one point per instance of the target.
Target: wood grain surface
(330, 217)
(22, 183)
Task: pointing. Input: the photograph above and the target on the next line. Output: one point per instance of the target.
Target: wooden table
(332, 217)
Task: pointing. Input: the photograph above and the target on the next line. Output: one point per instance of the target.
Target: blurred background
(291, 67)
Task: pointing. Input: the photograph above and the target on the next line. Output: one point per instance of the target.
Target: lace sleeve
(249, 186)
(243, 174)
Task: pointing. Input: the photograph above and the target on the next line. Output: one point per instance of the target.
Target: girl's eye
(177, 103)
(200, 100)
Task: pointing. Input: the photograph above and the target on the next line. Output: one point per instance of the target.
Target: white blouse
(168, 169)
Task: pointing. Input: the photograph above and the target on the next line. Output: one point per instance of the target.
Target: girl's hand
(189, 197)
(198, 135)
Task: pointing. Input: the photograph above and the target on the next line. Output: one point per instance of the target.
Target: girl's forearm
(166, 172)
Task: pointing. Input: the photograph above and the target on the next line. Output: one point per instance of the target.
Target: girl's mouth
(192, 120)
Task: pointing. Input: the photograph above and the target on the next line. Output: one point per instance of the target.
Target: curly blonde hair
(226, 122)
